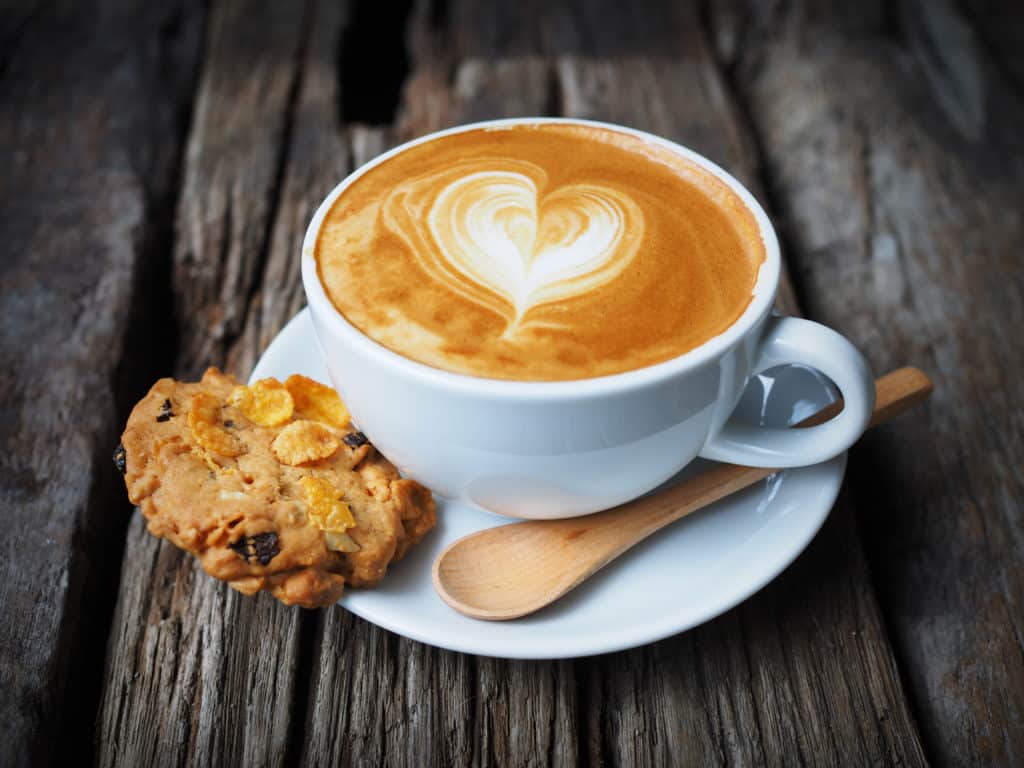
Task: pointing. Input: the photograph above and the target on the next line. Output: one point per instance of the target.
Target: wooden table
(160, 164)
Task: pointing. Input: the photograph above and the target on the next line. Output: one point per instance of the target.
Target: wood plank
(802, 673)
(318, 157)
(237, 155)
(402, 702)
(376, 698)
(894, 143)
(92, 101)
(195, 672)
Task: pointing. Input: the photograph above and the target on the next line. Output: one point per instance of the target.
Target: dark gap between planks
(303, 702)
(373, 62)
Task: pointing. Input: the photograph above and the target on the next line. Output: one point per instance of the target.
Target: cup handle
(789, 340)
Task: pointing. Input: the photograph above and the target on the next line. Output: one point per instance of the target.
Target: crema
(539, 252)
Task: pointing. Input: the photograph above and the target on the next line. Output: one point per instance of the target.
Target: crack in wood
(554, 99)
(374, 42)
(303, 698)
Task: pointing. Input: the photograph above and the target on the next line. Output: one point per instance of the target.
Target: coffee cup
(561, 448)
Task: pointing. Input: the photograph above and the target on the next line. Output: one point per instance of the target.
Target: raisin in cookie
(269, 486)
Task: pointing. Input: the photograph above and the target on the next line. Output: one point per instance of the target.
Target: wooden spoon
(513, 570)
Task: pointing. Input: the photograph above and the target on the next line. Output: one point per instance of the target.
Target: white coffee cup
(537, 449)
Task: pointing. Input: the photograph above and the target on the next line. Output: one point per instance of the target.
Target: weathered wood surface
(90, 137)
(886, 141)
(194, 672)
(897, 156)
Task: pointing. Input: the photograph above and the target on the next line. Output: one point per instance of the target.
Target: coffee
(539, 252)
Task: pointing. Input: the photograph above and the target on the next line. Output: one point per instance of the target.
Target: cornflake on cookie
(266, 402)
(303, 441)
(316, 401)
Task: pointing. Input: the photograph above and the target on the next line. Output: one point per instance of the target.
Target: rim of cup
(764, 290)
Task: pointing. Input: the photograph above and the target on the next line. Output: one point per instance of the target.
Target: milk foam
(539, 253)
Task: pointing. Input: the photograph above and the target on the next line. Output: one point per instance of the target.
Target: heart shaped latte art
(491, 227)
(495, 229)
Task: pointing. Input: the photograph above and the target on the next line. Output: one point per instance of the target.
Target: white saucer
(681, 577)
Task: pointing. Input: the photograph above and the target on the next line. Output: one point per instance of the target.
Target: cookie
(269, 486)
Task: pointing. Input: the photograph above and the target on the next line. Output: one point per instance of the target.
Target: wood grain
(237, 155)
(896, 145)
(90, 134)
(195, 673)
(317, 157)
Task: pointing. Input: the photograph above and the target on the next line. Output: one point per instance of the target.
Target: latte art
(496, 229)
(539, 252)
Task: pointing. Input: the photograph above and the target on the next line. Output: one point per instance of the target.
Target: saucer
(682, 576)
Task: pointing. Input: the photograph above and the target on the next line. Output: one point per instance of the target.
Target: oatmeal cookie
(269, 486)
